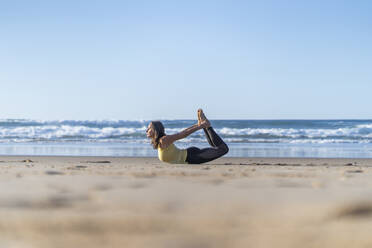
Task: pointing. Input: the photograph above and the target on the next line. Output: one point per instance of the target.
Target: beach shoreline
(60, 201)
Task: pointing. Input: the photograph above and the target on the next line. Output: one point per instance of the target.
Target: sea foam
(232, 131)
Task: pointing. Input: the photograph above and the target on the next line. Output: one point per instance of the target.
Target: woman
(168, 152)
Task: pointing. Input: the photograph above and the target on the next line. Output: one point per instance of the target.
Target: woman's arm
(169, 139)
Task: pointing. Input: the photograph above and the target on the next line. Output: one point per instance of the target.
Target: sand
(142, 202)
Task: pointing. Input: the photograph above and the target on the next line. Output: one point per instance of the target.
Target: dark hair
(159, 132)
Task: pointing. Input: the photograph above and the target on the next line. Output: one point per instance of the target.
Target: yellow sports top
(172, 155)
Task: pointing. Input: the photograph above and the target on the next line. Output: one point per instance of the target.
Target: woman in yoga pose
(168, 152)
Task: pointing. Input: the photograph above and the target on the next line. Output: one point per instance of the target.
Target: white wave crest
(126, 131)
(298, 133)
(63, 131)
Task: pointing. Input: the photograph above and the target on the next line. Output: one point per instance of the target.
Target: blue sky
(164, 59)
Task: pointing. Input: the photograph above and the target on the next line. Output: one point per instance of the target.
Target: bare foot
(199, 117)
(202, 120)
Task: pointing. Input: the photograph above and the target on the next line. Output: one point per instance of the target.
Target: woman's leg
(198, 156)
(192, 155)
(214, 138)
(201, 118)
(208, 137)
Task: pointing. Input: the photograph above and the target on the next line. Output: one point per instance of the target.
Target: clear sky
(86, 59)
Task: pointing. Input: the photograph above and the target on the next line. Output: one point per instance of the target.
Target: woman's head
(155, 131)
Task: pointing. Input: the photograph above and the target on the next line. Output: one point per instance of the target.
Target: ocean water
(246, 138)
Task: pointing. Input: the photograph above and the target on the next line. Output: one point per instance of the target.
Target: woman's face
(150, 131)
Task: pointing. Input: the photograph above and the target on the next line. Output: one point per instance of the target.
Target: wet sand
(142, 202)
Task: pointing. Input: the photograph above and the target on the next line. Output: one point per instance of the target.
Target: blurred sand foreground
(142, 202)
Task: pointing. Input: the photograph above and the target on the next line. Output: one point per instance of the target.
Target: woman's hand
(204, 124)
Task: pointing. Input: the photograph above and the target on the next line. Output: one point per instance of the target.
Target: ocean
(246, 138)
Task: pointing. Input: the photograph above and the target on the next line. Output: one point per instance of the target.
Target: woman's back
(172, 154)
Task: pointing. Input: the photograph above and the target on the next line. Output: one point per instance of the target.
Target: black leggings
(218, 149)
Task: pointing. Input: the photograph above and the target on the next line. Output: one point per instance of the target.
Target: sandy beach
(142, 202)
